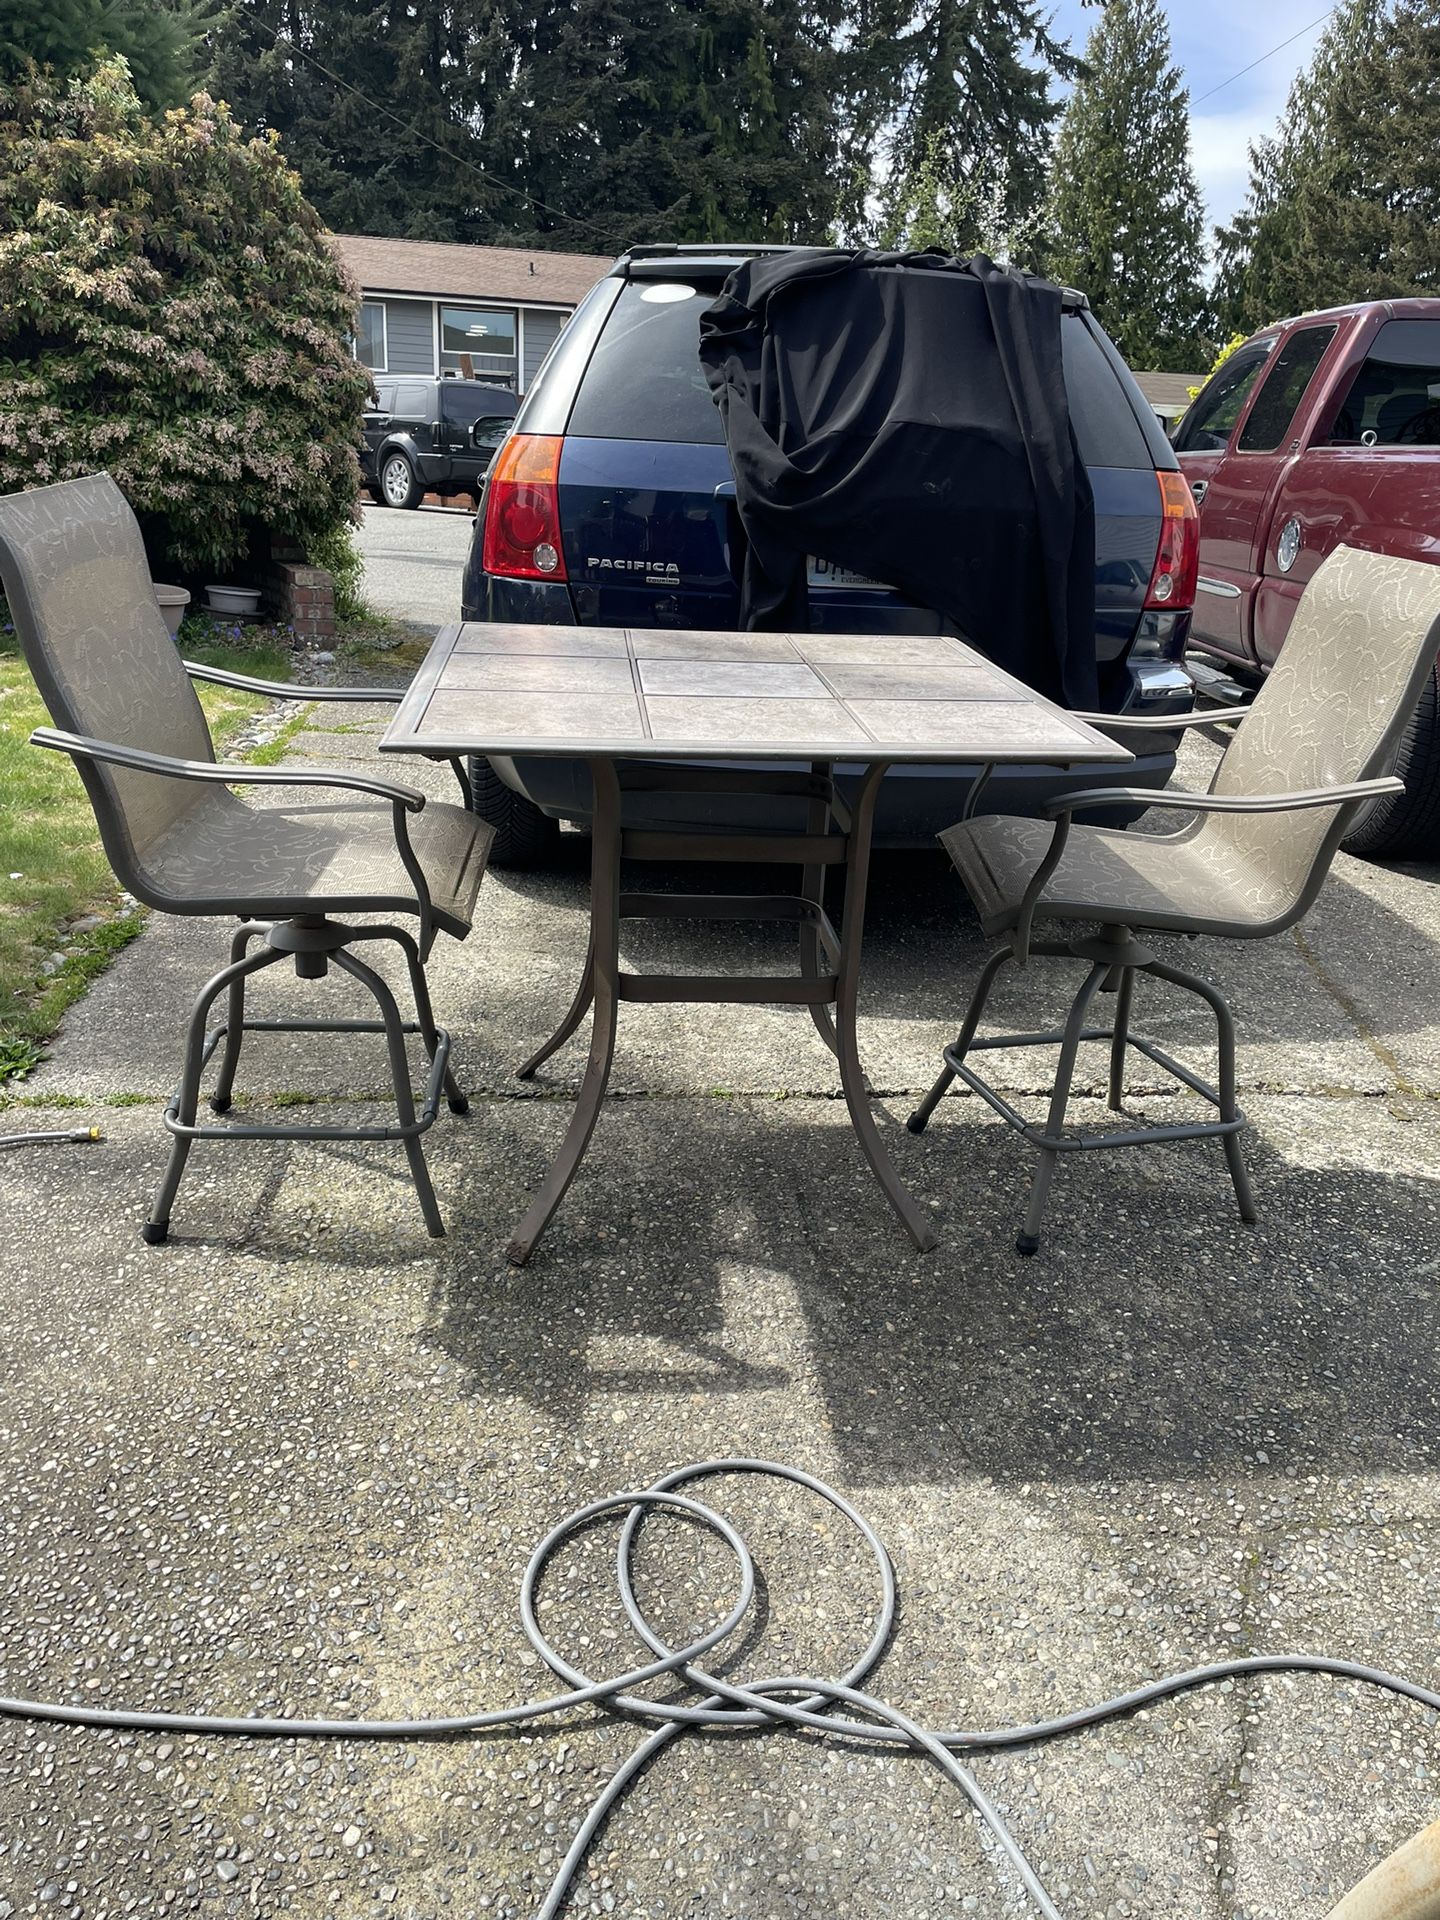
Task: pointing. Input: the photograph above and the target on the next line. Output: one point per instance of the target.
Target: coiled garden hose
(792, 1700)
(64, 1138)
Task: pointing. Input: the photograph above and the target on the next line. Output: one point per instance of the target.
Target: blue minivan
(612, 504)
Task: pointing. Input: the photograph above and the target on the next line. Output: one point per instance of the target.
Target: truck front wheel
(524, 836)
(1407, 825)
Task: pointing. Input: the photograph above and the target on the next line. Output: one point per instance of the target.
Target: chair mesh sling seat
(182, 841)
(1312, 748)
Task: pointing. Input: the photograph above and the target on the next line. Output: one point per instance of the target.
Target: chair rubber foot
(219, 1105)
(1027, 1243)
(916, 1123)
(155, 1232)
(458, 1105)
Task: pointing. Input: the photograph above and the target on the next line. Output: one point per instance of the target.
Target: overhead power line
(1297, 35)
(607, 234)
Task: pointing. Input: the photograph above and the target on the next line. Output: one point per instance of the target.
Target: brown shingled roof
(1169, 390)
(435, 267)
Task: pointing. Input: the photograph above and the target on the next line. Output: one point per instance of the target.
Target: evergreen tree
(1344, 201)
(675, 119)
(154, 37)
(1125, 219)
(377, 105)
(954, 103)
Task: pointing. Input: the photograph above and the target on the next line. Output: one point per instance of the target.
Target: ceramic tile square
(659, 643)
(591, 643)
(995, 729)
(736, 679)
(538, 672)
(815, 726)
(882, 649)
(488, 720)
(895, 682)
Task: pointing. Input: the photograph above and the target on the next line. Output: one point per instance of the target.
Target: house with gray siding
(432, 307)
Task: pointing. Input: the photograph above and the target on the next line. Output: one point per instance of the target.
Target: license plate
(825, 573)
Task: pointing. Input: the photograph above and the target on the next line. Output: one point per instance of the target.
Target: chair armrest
(284, 690)
(1224, 802)
(225, 773)
(1141, 723)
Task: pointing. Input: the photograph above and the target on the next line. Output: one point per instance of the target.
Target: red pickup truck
(1316, 431)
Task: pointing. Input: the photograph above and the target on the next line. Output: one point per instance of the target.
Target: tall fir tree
(952, 108)
(156, 38)
(1126, 223)
(1344, 198)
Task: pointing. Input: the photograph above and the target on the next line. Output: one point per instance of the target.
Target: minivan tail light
(522, 510)
(1177, 559)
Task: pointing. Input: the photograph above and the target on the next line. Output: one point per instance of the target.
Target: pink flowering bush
(171, 311)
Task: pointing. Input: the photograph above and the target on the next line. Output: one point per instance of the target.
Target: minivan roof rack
(717, 249)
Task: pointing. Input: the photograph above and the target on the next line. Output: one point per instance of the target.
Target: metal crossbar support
(828, 982)
(313, 943)
(1115, 957)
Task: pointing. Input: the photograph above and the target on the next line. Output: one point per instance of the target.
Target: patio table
(653, 712)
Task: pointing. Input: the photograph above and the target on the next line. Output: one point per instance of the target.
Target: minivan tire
(1407, 825)
(411, 493)
(524, 836)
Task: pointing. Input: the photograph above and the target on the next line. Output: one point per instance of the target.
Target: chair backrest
(1333, 710)
(74, 570)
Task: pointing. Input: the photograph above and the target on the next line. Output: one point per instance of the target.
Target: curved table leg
(579, 1007)
(604, 968)
(852, 1077)
(812, 887)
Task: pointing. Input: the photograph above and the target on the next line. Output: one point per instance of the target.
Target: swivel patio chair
(1316, 743)
(178, 836)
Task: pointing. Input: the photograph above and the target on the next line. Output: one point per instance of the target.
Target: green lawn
(52, 869)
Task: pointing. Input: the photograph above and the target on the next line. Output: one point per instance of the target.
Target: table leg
(812, 887)
(604, 966)
(852, 1077)
(579, 1007)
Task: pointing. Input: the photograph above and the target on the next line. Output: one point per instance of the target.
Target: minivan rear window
(644, 380)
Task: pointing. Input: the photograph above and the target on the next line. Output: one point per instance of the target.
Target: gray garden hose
(785, 1700)
(63, 1138)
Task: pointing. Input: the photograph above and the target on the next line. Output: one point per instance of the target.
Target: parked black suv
(431, 436)
(611, 504)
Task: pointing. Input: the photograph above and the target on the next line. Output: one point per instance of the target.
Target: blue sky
(1211, 42)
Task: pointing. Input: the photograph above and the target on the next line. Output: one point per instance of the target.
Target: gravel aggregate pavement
(295, 1461)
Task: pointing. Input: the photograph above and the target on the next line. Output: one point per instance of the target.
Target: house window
(370, 341)
(478, 340)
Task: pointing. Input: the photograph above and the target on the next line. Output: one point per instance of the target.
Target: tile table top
(646, 693)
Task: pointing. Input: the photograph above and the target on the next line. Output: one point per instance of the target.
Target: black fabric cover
(905, 415)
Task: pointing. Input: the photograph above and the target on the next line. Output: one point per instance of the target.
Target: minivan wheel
(1407, 825)
(398, 485)
(524, 836)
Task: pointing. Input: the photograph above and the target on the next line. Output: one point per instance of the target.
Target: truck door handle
(1199, 488)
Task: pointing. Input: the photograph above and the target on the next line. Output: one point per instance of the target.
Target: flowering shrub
(172, 313)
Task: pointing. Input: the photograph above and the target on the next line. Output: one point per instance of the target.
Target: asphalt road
(413, 562)
(295, 1460)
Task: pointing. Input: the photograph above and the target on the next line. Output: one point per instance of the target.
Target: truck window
(1207, 426)
(1394, 399)
(1285, 387)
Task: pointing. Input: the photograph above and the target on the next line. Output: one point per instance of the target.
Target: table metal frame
(828, 981)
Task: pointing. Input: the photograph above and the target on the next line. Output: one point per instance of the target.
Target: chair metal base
(1115, 957)
(313, 943)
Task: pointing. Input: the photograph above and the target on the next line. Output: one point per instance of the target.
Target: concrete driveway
(414, 560)
(294, 1462)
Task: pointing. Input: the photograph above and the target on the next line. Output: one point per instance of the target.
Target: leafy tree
(156, 37)
(174, 314)
(1344, 199)
(1125, 215)
(953, 103)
